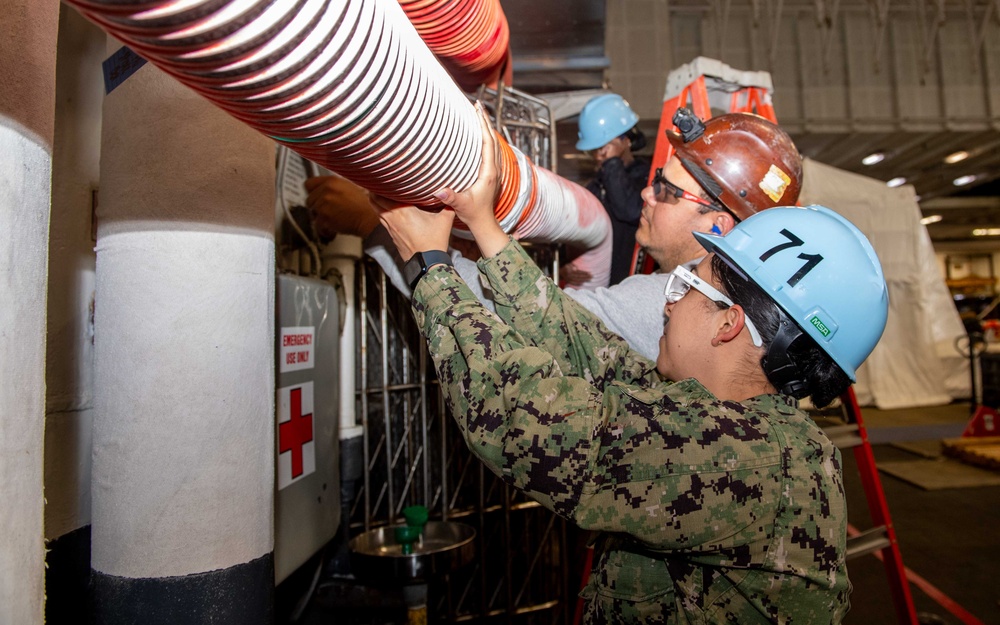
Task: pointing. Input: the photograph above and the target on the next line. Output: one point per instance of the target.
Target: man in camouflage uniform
(718, 500)
(716, 511)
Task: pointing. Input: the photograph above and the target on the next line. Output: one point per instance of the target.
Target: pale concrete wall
(27, 85)
(70, 345)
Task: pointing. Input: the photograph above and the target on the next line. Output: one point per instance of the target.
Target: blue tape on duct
(120, 66)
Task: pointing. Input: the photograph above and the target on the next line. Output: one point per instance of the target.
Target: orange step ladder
(881, 538)
(705, 85)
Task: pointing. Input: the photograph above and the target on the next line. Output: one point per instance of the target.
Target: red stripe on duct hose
(352, 87)
(470, 37)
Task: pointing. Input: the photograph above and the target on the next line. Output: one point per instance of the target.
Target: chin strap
(779, 367)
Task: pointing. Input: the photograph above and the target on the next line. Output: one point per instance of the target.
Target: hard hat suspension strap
(778, 364)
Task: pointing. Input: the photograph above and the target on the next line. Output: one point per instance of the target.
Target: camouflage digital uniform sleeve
(577, 339)
(530, 423)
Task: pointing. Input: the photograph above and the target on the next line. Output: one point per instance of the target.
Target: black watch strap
(417, 266)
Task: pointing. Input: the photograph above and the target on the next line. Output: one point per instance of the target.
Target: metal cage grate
(414, 454)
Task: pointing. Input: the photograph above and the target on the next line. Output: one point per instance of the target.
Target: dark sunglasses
(664, 189)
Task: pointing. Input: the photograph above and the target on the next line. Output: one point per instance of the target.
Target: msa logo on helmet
(819, 325)
(774, 183)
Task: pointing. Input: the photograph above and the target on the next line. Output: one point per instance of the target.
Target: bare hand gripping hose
(350, 85)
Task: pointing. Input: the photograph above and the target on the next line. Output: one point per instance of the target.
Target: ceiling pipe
(352, 87)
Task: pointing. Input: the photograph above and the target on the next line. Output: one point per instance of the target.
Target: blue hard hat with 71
(603, 118)
(820, 269)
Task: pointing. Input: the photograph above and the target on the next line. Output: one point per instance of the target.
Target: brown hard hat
(744, 161)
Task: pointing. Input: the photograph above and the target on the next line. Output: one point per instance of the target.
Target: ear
(731, 323)
(725, 222)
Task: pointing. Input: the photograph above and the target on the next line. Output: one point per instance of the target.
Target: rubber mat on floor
(923, 449)
(940, 473)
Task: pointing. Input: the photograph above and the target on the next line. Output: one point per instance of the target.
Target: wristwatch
(419, 263)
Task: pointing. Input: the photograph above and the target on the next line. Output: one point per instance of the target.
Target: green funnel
(406, 535)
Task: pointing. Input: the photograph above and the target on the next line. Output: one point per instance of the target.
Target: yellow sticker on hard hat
(774, 183)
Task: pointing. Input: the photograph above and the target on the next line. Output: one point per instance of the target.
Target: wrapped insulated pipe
(351, 86)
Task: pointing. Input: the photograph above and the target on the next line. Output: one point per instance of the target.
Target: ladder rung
(843, 436)
(867, 541)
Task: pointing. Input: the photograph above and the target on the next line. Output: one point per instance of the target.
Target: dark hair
(636, 138)
(714, 208)
(814, 373)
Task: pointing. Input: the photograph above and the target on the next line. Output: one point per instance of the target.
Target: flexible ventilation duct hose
(471, 38)
(351, 86)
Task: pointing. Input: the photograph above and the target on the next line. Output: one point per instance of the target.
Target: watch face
(417, 266)
(414, 269)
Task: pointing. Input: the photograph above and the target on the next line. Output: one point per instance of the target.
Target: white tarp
(915, 363)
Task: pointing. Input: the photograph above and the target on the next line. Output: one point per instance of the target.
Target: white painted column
(183, 470)
(27, 104)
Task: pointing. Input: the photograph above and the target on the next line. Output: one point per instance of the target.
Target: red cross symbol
(295, 433)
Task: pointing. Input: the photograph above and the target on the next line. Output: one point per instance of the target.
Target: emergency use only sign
(296, 429)
(295, 349)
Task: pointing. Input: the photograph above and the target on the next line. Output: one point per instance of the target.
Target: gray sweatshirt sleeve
(633, 308)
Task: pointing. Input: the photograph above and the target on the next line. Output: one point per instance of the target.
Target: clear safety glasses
(663, 189)
(680, 281)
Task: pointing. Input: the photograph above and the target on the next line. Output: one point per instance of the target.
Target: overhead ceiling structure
(912, 84)
(557, 45)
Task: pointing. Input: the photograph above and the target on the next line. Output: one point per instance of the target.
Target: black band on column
(240, 595)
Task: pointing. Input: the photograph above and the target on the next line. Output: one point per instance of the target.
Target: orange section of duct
(539, 206)
(352, 87)
(471, 38)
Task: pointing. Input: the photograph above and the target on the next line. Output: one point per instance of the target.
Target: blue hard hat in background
(820, 269)
(603, 118)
